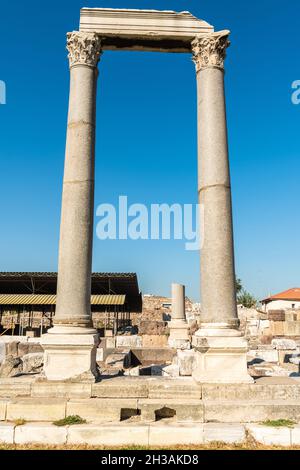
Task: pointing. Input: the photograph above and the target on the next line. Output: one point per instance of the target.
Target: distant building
(282, 301)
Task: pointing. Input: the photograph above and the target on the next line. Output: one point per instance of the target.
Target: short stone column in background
(70, 346)
(178, 326)
(220, 348)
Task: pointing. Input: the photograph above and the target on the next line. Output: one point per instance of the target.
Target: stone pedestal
(179, 338)
(70, 355)
(220, 356)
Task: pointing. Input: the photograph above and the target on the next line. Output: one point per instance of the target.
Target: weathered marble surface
(149, 30)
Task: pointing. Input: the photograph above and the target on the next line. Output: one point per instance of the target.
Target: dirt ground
(247, 445)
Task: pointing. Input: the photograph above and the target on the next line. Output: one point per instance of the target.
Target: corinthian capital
(84, 48)
(210, 50)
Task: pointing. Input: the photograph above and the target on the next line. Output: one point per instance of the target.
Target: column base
(70, 356)
(220, 356)
(179, 337)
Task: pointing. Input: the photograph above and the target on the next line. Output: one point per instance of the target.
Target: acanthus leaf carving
(83, 48)
(210, 50)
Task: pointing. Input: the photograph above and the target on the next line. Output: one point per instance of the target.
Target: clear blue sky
(146, 140)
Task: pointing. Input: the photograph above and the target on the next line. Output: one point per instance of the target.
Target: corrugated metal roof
(108, 299)
(37, 299)
(37, 274)
(27, 299)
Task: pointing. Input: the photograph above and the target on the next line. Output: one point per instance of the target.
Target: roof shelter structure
(45, 283)
(28, 299)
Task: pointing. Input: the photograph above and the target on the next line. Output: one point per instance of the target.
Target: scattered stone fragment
(11, 367)
(32, 363)
(171, 371)
(295, 359)
(282, 343)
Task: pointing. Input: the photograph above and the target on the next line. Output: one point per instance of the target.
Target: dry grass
(20, 422)
(246, 445)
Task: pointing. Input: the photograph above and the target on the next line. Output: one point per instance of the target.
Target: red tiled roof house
(287, 299)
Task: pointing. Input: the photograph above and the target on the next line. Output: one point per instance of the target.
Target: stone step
(163, 387)
(180, 388)
(120, 387)
(35, 409)
(267, 388)
(54, 389)
(250, 411)
(160, 434)
(147, 409)
(53, 409)
(181, 410)
(99, 409)
(282, 388)
(151, 387)
(16, 386)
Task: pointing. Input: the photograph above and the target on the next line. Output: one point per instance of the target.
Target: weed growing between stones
(69, 420)
(279, 423)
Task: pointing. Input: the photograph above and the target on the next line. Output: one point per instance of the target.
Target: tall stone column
(70, 346)
(221, 349)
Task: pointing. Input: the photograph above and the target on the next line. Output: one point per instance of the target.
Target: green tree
(242, 296)
(238, 285)
(246, 299)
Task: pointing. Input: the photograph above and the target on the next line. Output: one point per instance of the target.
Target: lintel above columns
(144, 30)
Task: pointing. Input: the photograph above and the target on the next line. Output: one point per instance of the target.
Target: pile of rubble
(158, 308)
(280, 358)
(20, 356)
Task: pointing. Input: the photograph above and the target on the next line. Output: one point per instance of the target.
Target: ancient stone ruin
(194, 379)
